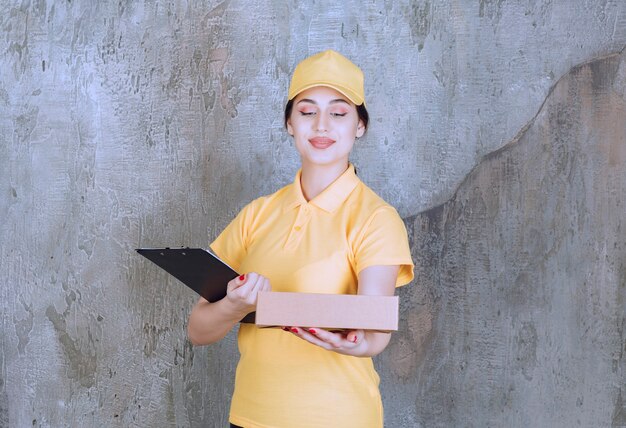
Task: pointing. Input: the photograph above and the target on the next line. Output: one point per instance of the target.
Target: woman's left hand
(347, 342)
(373, 281)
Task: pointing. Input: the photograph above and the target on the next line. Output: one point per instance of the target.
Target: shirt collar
(331, 198)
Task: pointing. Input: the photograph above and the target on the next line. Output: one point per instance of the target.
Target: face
(324, 124)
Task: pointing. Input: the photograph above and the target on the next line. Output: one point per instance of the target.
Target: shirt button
(297, 228)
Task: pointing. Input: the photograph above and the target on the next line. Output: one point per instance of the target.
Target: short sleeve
(230, 245)
(384, 241)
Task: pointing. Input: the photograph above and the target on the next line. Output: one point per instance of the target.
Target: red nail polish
(312, 331)
(294, 330)
(242, 277)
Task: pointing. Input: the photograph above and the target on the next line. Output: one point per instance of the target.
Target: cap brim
(347, 93)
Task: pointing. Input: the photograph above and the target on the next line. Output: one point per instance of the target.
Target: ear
(289, 127)
(360, 129)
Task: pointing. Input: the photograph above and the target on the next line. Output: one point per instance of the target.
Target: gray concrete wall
(518, 315)
(128, 124)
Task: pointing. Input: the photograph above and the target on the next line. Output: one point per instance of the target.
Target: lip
(321, 142)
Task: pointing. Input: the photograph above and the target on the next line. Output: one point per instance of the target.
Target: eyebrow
(336, 100)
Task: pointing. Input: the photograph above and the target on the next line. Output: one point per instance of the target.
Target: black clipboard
(198, 269)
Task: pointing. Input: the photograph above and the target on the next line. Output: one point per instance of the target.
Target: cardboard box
(332, 311)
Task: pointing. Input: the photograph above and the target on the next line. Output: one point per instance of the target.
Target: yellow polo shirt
(319, 246)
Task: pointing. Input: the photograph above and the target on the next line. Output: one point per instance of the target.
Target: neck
(314, 179)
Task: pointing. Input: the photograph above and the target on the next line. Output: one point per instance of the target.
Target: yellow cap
(331, 69)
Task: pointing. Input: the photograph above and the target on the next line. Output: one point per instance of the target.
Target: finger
(298, 331)
(324, 339)
(245, 288)
(251, 278)
(267, 286)
(262, 281)
(237, 282)
(254, 292)
(334, 340)
(355, 336)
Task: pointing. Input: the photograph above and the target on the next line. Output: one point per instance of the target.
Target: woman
(325, 233)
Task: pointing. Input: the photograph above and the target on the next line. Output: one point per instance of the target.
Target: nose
(321, 125)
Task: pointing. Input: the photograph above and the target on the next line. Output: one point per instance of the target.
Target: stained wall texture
(518, 317)
(127, 124)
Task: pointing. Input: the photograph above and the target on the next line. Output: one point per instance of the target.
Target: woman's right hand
(210, 322)
(242, 292)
